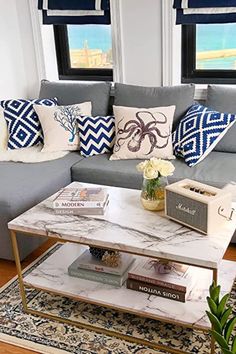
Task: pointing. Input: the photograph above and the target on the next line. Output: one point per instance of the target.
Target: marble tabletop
(127, 227)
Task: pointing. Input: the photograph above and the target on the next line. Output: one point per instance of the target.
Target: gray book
(105, 278)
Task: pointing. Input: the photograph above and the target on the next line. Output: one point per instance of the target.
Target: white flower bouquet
(153, 170)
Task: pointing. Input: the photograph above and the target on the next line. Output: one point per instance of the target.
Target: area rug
(47, 336)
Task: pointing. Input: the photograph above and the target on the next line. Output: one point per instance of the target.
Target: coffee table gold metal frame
(152, 345)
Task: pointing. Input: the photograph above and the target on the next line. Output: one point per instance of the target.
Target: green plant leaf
(216, 294)
(212, 288)
(222, 304)
(229, 328)
(215, 322)
(212, 305)
(225, 351)
(233, 349)
(225, 316)
(220, 340)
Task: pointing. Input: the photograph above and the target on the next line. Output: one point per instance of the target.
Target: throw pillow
(199, 131)
(3, 131)
(60, 126)
(24, 129)
(143, 133)
(96, 134)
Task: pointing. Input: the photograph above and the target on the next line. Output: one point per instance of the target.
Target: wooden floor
(8, 271)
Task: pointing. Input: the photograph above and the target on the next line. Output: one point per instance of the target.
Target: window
(84, 52)
(209, 53)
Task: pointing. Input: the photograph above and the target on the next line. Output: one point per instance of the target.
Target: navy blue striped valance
(61, 12)
(205, 11)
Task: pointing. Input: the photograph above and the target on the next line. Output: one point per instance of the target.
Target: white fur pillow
(31, 154)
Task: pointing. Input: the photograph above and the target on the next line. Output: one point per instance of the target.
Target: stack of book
(81, 201)
(175, 285)
(88, 267)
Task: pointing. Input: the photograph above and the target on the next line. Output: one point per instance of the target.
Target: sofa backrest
(182, 97)
(71, 92)
(223, 99)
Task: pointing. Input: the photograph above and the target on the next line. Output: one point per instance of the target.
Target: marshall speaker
(199, 206)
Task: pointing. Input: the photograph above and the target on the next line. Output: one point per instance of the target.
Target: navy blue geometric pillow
(96, 134)
(199, 131)
(24, 128)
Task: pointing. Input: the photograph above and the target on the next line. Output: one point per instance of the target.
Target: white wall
(18, 74)
(141, 41)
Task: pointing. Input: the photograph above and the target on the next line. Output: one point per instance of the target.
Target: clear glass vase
(153, 193)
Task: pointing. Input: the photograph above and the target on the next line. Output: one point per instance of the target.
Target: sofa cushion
(148, 97)
(223, 99)
(69, 93)
(99, 169)
(24, 185)
(217, 169)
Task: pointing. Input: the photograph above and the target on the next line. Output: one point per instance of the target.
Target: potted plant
(222, 322)
(155, 172)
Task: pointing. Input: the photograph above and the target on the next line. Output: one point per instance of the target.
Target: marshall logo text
(187, 210)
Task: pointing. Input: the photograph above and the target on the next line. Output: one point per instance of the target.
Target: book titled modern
(81, 201)
(80, 198)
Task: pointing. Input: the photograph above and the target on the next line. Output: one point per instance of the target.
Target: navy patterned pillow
(199, 131)
(24, 128)
(96, 134)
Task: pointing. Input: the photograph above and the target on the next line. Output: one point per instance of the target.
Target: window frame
(63, 61)
(189, 73)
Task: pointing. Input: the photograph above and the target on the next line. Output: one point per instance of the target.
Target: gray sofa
(24, 185)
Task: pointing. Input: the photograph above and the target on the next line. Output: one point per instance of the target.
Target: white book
(78, 198)
(89, 262)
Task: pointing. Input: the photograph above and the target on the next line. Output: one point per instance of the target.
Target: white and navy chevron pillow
(96, 134)
(199, 131)
(24, 128)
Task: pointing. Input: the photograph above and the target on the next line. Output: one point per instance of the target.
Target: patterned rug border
(23, 343)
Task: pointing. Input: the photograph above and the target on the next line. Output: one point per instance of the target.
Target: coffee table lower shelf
(51, 276)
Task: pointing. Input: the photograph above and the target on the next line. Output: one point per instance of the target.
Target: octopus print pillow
(142, 133)
(60, 125)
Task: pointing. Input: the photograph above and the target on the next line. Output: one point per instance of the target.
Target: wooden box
(197, 205)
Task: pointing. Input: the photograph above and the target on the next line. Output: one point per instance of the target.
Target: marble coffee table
(126, 227)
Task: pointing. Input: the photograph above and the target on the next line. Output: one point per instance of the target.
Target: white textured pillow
(142, 133)
(3, 131)
(60, 125)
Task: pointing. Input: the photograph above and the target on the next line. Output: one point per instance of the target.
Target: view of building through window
(216, 47)
(90, 46)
